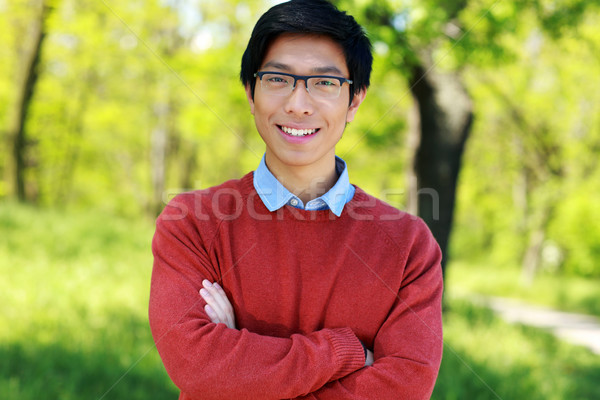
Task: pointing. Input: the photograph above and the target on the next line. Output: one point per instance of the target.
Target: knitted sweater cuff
(348, 350)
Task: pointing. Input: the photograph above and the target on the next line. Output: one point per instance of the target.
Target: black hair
(312, 17)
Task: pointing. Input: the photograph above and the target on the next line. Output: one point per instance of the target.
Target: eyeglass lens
(317, 86)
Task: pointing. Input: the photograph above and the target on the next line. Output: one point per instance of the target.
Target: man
(290, 282)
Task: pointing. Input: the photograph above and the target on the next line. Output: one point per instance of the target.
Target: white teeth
(298, 132)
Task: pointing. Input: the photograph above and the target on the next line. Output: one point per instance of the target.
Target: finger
(211, 314)
(217, 313)
(228, 307)
(220, 304)
(370, 358)
(215, 306)
(225, 310)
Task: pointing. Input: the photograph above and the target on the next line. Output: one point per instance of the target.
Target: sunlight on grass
(486, 358)
(74, 307)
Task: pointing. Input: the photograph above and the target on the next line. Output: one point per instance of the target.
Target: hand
(370, 358)
(218, 308)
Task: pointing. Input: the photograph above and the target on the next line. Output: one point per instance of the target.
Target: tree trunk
(445, 115)
(74, 134)
(532, 258)
(159, 141)
(189, 166)
(24, 94)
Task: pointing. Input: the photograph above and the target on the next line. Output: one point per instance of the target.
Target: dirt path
(574, 328)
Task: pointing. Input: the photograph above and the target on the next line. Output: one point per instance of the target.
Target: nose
(299, 101)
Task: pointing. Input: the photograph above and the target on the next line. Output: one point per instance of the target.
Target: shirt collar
(274, 195)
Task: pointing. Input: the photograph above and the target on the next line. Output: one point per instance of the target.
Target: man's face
(325, 119)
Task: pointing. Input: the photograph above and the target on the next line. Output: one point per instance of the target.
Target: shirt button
(294, 202)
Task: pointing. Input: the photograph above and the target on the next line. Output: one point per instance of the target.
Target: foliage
(529, 165)
(575, 232)
(530, 68)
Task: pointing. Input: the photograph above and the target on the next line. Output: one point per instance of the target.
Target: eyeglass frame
(305, 78)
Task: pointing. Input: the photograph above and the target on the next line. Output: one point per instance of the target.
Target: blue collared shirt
(274, 195)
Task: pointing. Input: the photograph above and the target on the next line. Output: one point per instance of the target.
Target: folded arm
(408, 347)
(220, 311)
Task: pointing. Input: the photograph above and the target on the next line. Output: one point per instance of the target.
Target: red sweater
(305, 287)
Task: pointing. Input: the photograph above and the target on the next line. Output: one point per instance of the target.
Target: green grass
(73, 307)
(73, 323)
(487, 358)
(568, 293)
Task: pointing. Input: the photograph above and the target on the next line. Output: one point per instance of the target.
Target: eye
(327, 82)
(276, 80)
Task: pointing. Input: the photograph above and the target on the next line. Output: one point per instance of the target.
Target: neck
(306, 182)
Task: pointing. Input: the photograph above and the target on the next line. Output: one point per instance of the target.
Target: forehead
(305, 54)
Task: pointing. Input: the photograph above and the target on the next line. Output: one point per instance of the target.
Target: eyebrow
(317, 70)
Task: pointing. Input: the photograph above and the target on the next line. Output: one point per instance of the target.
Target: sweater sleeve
(408, 347)
(210, 361)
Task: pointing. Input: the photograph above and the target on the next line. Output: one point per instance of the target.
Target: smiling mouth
(297, 132)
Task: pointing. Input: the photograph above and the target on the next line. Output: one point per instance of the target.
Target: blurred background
(482, 117)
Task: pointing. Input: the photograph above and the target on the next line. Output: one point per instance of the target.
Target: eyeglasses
(282, 84)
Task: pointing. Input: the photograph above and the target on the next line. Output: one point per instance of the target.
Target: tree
(28, 71)
(532, 171)
(431, 43)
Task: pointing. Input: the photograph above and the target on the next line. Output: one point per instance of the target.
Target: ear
(356, 102)
(250, 99)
